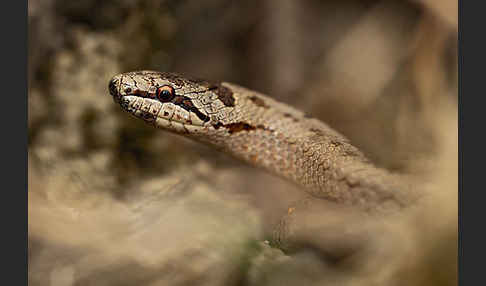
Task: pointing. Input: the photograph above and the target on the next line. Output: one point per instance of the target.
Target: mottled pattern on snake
(263, 132)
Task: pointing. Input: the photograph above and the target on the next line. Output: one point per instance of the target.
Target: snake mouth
(164, 114)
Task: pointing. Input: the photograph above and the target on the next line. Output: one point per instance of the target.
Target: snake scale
(263, 132)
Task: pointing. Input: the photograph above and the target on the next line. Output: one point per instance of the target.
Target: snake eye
(165, 93)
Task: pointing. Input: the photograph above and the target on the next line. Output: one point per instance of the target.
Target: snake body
(263, 132)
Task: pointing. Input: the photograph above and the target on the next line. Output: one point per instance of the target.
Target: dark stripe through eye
(166, 93)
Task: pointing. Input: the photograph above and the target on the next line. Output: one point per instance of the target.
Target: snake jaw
(165, 115)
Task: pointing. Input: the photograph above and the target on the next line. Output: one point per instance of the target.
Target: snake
(265, 133)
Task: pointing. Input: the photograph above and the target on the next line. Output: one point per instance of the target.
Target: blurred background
(113, 201)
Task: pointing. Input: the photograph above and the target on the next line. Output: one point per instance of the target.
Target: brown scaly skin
(264, 133)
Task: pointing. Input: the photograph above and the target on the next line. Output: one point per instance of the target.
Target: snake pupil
(165, 93)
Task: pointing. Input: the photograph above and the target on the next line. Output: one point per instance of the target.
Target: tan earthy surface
(115, 202)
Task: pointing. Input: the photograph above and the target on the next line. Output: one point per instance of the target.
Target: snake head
(170, 101)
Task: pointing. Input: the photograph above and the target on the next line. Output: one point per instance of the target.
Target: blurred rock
(168, 231)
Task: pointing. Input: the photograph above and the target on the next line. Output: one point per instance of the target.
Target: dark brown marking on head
(186, 103)
(258, 101)
(225, 95)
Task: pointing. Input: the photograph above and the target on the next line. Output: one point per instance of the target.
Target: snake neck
(284, 141)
